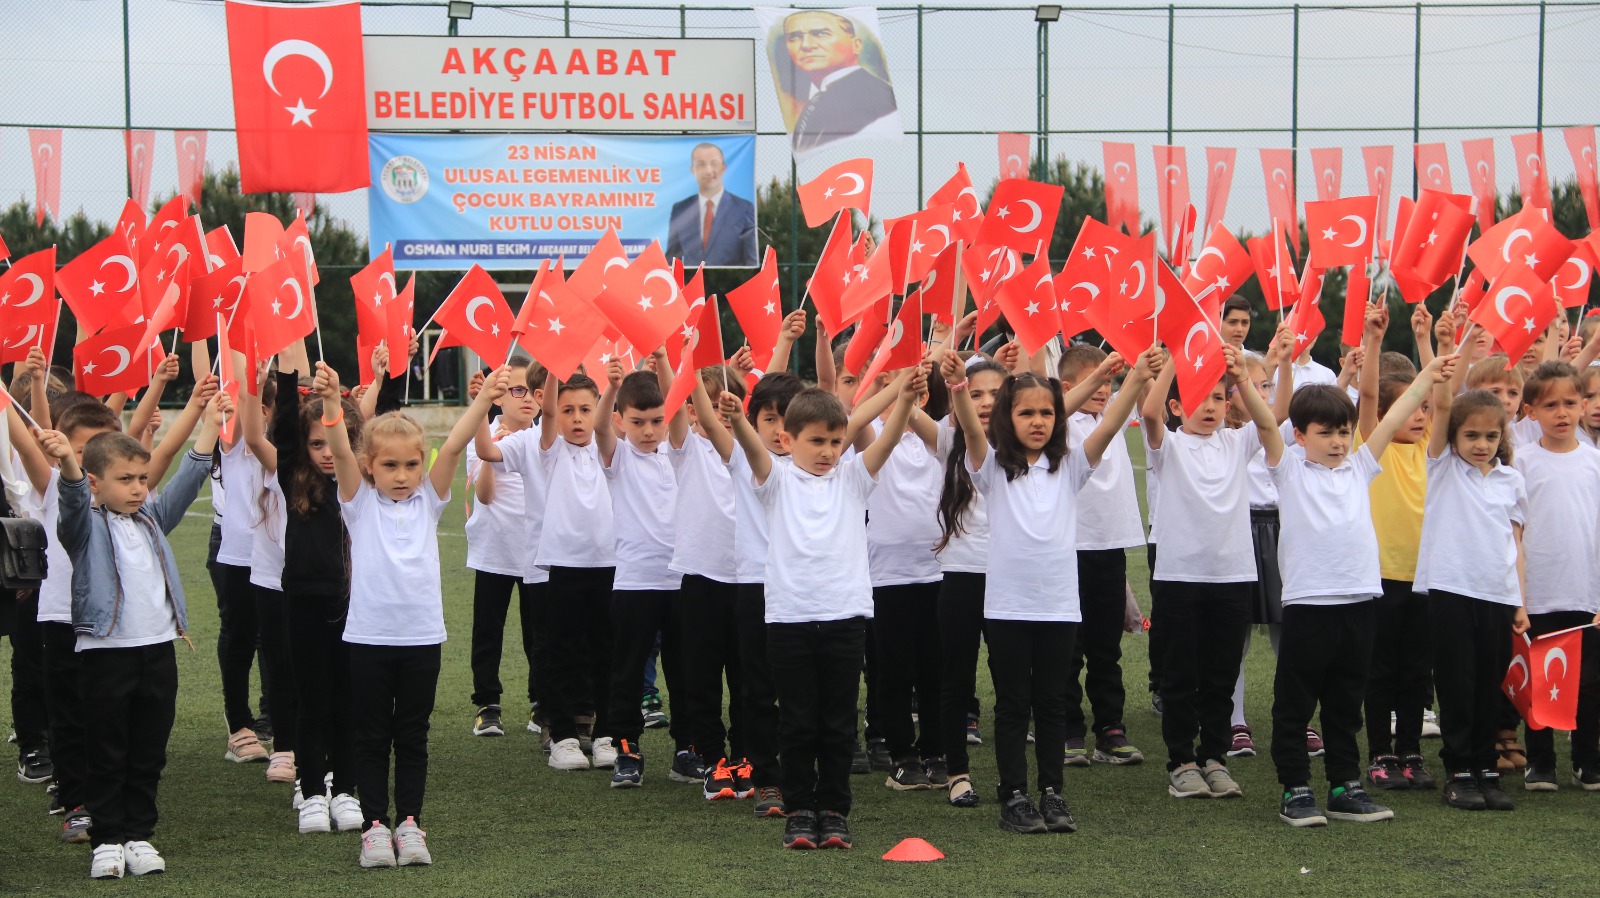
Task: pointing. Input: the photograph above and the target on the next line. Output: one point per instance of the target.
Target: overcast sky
(62, 64)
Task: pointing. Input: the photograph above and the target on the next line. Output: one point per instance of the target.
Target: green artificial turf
(500, 822)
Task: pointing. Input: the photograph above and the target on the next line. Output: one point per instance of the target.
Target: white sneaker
(411, 844)
(605, 753)
(566, 755)
(346, 812)
(1430, 724)
(314, 815)
(142, 857)
(297, 798)
(108, 862)
(377, 847)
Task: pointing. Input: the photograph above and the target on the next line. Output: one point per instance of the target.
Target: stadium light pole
(457, 10)
(1044, 15)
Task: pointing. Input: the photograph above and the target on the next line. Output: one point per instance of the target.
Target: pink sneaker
(280, 768)
(244, 747)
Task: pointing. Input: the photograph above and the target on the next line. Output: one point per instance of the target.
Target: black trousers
(491, 600)
(277, 670)
(905, 636)
(817, 668)
(638, 616)
(960, 635)
(1103, 600)
(755, 711)
(1402, 670)
(576, 643)
(1205, 626)
(873, 729)
(321, 661)
(62, 696)
(131, 695)
(29, 711)
(708, 631)
(1471, 649)
(1541, 744)
(1028, 662)
(396, 685)
(1157, 646)
(238, 634)
(1323, 658)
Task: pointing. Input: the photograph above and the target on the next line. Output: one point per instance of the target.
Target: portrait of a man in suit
(713, 227)
(832, 79)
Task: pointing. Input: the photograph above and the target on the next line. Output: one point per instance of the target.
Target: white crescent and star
(1505, 251)
(1361, 228)
(1018, 165)
(1527, 677)
(944, 231)
(1532, 159)
(1500, 301)
(46, 149)
(284, 49)
(1038, 217)
(1172, 172)
(299, 297)
(1119, 168)
(859, 182)
(1554, 654)
(123, 357)
(1483, 168)
(393, 290)
(34, 294)
(1279, 176)
(1198, 328)
(614, 262)
(1436, 178)
(665, 277)
(1139, 267)
(187, 142)
(33, 331)
(1584, 272)
(1208, 251)
(472, 311)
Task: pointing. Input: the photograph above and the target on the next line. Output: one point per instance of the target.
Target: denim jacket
(85, 532)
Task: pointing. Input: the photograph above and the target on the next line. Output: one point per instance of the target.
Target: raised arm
(164, 374)
(605, 434)
(369, 397)
(793, 327)
(1437, 371)
(40, 390)
(548, 430)
(871, 406)
(966, 413)
(1260, 412)
(895, 427)
(1422, 331)
(710, 419)
(749, 441)
(1153, 410)
(1377, 322)
(444, 464)
(346, 469)
(253, 422)
(1086, 387)
(1590, 351)
(1283, 384)
(1444, 393)
(1116, 415)
(827, 375)
(34, 461)
(171, 445)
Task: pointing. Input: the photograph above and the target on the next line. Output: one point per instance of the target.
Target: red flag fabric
(191, 163)
(938, 290)
(400, 315)
(1122, 186)
(263, 233)
(847, 185)
(1219, 181)
(1580, 140)
(1432, 247)
(1029, 303)
(5, 251)
(702, 348)
(1340, 232)
(1277, 166)
(644, 300)
(45, 144)
(296, 238)
(1480, 173)
(225, 378)
(1555, 661)
(1571, 283)
(562, 327)
(1518, 683)
(299, 96)
(968, 217)
(214, 294)
(1518, 308)
(141, 147)
(1195, 344)
(1357, 294)
(874, 324)
(1278, 285)
(758, 306)
(1172, 178)
(131, 225)
(590, 275)
(872, 280)
(220, 249)
(1532, 178)
(1305, 319)
(603, 351)
(1525, 237)
(101, 285)
(114, 362)
(1132, 277)
(476, 313)
(1328, 164)
(920, 245)
(1380, 181)
(1022, 215)
(901, 346)
(986, 268)
(1122, 314)
(832, 276)
(1073, 298)
(1014, 154)
(1225, 275)
(279, 303)
(29, 309)
(1433, 167)
(525, 314)
(172, 265)
(374, 288)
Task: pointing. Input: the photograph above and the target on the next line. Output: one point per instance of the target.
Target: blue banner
(447, 202)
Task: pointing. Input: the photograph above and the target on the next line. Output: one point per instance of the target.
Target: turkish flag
(939, 290)
(847, 185)
(165, 275)
(477, 314)
(305, 201)
(45, 144)
(1122, 186)
(101, 285)
(220, 249)
(141, 146)
(1022, 215)
(299, 96)
(1554, 661)
(562, 326)
(1328, 164)
(5, 251)
(1580, 140)
(1132, 279)
(1518, 308)
(1122, 315)
(1277, 166)
(1433, 167)
(169, 311)
(1214, 282)
(524, 319)
(29, 309)
(1532, 178)
(590, 276)
(1029, 303)
(869, 333)
(832, 276)
(1572, 282)
(1518, 681)
(1525, 237)
(602, 352)
(1278, 285)
(1088, 271)
(702, 348)
(191, 163)
(1305, 319)
(279, 303)
(1219, 181)
(920, 245)
(263, 234)
(1357, 294)
(225, 377)
(1480, 173)
(1340, 232)
(872, 280)
(758, 306)
(374, 288)
(1380, 182)
(399, 315)
(1073, 297)
(1194, 342)
(114, 362)
(214, 294)
(1172, 176)
(987, 267)
(901, 346)
(644, 300)
(131, 225)
(1434, 243)
(968, 217)
(297, 239)
(1014, 154)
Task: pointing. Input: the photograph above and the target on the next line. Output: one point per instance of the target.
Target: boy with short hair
(127, 608)
(818, 595)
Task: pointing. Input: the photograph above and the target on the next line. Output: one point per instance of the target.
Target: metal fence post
(1171, 19)
(566, 18)
(1294, 115)
(1416, 98)
(921, 74)
(1539, 120)
(127, 85)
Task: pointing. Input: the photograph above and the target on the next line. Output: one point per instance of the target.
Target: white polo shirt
(1467, 544)
(705, 510)
(146, 615)
(1561, 538)
(1108, 505)
(644, 502)
(750, 518)
(520, 458)
(242, 475)
(1204, 516)
(1327, 549)
(496, 530)
(817, 542)
(903, 515)
(266, 509)
(395, 592)
(578, 529)
(1032, 521)
(55, 593)
(968, 551)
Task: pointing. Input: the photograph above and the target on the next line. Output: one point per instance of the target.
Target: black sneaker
(263, 729)
(1539, 779)
(1387, 774)
(938, 772)
(1057, 816)
(1350, 802)
(859, 762)
(833, 831)
(687, 768)
(650, 708)
(76, 828)
(1461, 791)
(36, 767)
(629, 770)
(908, 776)
(878, 755)
(1417, 773)
(1299, 808)
(718, 784)
(801, 830)
(1494, 797)
(1018, 815)
(974, 735)
(1157, 706)
(1111, 746)
(487, 722)
(56, 807)
(1586, 779)
(769, 802)
(962, 795)
(744, 784)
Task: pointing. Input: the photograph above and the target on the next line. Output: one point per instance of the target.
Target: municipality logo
(404, 179)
